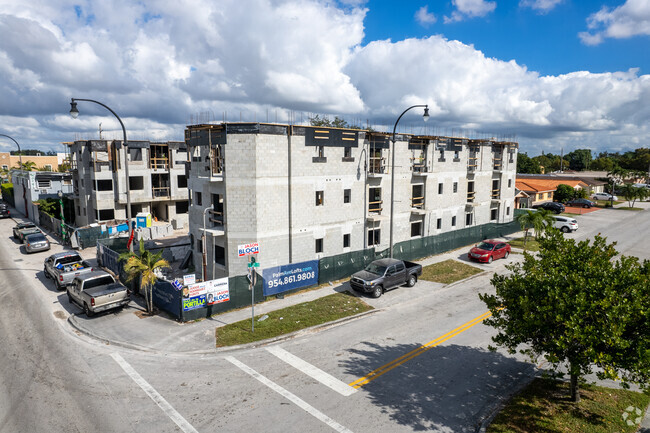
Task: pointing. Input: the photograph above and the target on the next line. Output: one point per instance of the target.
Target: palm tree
(542, 221)
(631, 193)
(28, 165)
(144, 265)
(526, 221)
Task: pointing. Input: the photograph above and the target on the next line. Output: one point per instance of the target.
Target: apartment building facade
(306, 192)
(30, 186)
(157, 181)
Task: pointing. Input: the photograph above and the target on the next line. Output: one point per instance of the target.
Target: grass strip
(448, 271)
(291, 319)
(544, 406)
(531, 243)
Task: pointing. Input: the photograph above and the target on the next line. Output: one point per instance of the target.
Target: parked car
(36, 242)
(581, 202)
(20, 226)
(603, 196)
(64, 267)
(97, 291)
(489, 250)
(28, 231)
(385, 274)
(553, 206)
(4, 211)
(565, 224)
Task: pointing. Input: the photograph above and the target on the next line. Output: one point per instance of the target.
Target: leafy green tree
(602, 164)
(336, 123)
(525, 164)
(145, 267)
(579, 159)
(574, 305)
(563, 193)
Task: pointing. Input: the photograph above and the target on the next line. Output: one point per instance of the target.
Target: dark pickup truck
(385, 274)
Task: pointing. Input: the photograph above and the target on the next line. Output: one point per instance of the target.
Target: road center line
(154, 395)
(312, 371)
(289, 396)
(416, 352)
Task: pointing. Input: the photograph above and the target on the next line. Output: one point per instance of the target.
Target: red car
(489, 250)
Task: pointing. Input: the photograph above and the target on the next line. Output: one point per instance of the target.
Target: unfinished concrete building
(307, 192)
(157, 181)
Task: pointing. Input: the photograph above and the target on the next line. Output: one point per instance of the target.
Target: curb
(313, 329)
(502, 400)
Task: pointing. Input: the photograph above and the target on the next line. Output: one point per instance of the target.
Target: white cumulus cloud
(424, 17)
(630, 19)
(470, 9)
(542, 6)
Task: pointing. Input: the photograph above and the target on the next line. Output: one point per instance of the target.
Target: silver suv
(565, 224)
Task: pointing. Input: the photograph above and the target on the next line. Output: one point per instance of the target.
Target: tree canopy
(526, 165)
(579, 305)
(564, 193)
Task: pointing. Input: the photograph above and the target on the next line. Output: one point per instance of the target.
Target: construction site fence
(168, 298)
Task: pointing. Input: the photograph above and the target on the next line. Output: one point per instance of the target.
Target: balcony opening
(416, 229)
(496, 191)
(374, 237)
(419, 158)
(220, 255)
(374, 200)
(470, 191)
(159, 156)
(216, 214)
(376, 161)
(160, 185)
(105, 185)
(417, 196)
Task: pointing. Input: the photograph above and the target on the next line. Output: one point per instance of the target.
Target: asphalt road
(54, 380)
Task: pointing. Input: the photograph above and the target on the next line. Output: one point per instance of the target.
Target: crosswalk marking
(310, 370)
(289, 396)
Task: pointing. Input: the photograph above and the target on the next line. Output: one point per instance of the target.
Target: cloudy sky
(551, 73)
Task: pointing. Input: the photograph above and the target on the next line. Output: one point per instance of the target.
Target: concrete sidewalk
(162, 333)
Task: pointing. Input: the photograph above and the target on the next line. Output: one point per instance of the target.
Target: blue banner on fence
(288, 277)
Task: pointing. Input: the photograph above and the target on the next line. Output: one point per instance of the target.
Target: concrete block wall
(255, 187)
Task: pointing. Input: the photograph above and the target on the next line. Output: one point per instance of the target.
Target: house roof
(545, 185)
(587, 177)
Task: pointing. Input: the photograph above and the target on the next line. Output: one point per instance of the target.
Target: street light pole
(20, 153)
(74, 112)
(60, 194)
(425, 117)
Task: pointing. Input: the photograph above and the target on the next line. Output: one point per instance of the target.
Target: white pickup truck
(64, 267)
(97, 291)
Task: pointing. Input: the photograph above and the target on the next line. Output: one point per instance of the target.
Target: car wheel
(412, 280)
(45, 273)
(565, 229)
(506, 255)
(377, 292)
(490, 259)
(586, 206)
(87, 311)
(69, 298)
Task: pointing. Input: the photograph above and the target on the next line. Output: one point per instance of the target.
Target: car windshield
(36, 238)
(26, 226)
(96, 282)
(485, 246)
(69, 259)
(374, 268)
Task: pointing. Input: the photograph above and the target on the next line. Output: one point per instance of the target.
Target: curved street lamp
(74, 112)
(425, 117)
(20, 154)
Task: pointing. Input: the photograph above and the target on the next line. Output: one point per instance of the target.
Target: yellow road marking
(416, 352)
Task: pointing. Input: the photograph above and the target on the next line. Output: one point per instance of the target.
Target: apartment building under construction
(157, 180)
(306, 192)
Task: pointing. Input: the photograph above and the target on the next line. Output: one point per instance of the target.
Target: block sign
(248, 249)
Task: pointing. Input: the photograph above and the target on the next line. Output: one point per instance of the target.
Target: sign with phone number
(289, 277)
